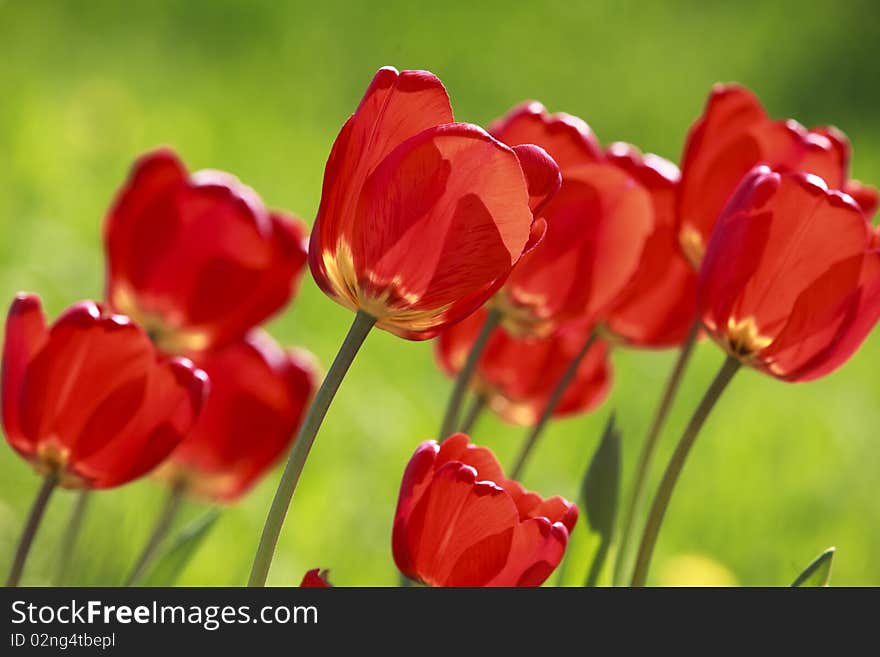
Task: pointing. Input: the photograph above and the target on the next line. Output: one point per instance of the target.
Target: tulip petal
(596, 229)
(395, 107)
(733, 135)
(171, 404)
(537, 548)
(78, 368)
(459, 448)
(416, 479)
(259, 394)
(800, 247)
(860, 315)
(820, 312)
(148, 193)
(440, 222)
(457, 513)
(567, 139)
(196, 258)
(26, 334)
(541, 173)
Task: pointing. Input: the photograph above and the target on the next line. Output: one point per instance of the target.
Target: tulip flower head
(89, 399)
(196, 258)
(460, 522)
(421, 219)
(657, 308)
(597, 226)
(735, 134)
(516, 376)
(259, 394)
(316, 579)
(790, 283)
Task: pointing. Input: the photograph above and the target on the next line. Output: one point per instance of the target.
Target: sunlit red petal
(567, 139)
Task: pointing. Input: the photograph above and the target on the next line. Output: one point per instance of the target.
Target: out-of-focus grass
(260, 89)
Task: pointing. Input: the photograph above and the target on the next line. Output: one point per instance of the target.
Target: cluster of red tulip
(530, 249)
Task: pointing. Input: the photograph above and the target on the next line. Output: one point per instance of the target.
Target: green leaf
(818, 573)
(171, 563)
(600, 492)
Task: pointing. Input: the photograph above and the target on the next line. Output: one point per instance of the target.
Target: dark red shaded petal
(315, 578)
(25, 336)
(197, 258)
(732, 261)
(259, 395)
(542, 175)
(148, 193)
(416, 479)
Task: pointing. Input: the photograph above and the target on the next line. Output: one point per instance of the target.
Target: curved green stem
(473, 414)
(673, 470)
(38, 508)
(360, 327)
(71, 534)
(649, 446)
(555, 397)
(160, 531)
(453, 407)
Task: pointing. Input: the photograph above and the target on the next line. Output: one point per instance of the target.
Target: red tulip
(197, 259)
(517, 375)
(422, 219)
(459, 522)
(89, 399)
(597, 226)
(658, 307)
(316, 579)
(790, 283)
(733, 135)
(259, 394)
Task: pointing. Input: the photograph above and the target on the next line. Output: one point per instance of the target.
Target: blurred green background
(261, 88)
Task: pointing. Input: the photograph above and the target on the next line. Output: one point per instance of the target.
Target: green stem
(38, 508)
(360, 327)
(598, 562)
(673, 470)
(473, 414)
(453, 407)
(555, 397)
(647, 454)
(160, 531)
(71, 534)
